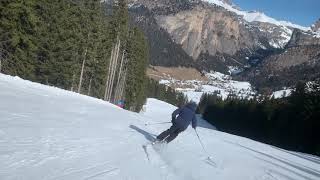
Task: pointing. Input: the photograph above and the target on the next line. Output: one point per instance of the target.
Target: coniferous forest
(165, 93)
(83, 46)
(292, 123)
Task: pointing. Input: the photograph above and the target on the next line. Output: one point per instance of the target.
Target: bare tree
(83, 64)
(112, 65)
(117, 97)
(82, 69)
(106, 92)
(122, 86)
(72, 85)
(112, 70)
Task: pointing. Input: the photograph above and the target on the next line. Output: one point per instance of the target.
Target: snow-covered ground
(282, 93)
(49, 133)
(217, 82)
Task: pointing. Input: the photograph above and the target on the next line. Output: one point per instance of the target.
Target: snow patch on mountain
(234, 70)
(282, 93)
(252, 16)
(317, 34)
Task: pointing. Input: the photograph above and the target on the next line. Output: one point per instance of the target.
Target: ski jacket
(186, 115)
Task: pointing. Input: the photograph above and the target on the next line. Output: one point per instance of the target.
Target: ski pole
(200, 141)
(205, 151)
(147, 124)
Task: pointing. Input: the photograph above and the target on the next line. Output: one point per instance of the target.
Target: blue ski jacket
(186, 115)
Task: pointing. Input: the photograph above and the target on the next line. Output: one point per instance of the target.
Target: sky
(302, 12)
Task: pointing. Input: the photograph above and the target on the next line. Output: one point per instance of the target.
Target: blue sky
(302, 12)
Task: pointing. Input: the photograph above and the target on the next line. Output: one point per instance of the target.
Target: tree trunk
(72, 85)
(123, 84)
(110, 71)
(114, 63)
(119, 78)
(114, 68)
(81, 75)
(106, 92)
(89, 90)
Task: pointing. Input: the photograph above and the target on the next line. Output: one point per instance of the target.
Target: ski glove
(174, 114)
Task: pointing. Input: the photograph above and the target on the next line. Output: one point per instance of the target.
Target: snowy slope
(48, 133)
(256, 16)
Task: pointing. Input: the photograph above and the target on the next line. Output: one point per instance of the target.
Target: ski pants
(170, 134)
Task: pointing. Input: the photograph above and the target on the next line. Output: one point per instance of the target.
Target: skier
(120, 104)
(181, 118)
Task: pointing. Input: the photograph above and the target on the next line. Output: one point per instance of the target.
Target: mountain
(163, 50)
(302, 38)
(285, 69)
(49, 133)
(316, 26)
(207, 31)
(219, 36)
(298, 61)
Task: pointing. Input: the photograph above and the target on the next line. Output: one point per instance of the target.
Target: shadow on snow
(147, 135)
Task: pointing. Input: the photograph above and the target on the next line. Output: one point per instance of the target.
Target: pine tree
(17, 30)
(136, 70)
(75, 45)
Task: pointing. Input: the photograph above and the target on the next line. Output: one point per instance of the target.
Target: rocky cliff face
(301, 38)
(298, 61)
(207, 29)
(316, 26)
(220, 36)
(211, 30)
(285, 69)
(163, 50)
(293, 56)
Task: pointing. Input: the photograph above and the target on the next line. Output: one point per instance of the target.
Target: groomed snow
(48, 133)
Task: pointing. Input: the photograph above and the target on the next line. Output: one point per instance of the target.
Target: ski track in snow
(49, 133)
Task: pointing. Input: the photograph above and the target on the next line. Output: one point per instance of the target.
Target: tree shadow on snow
(147, 135)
